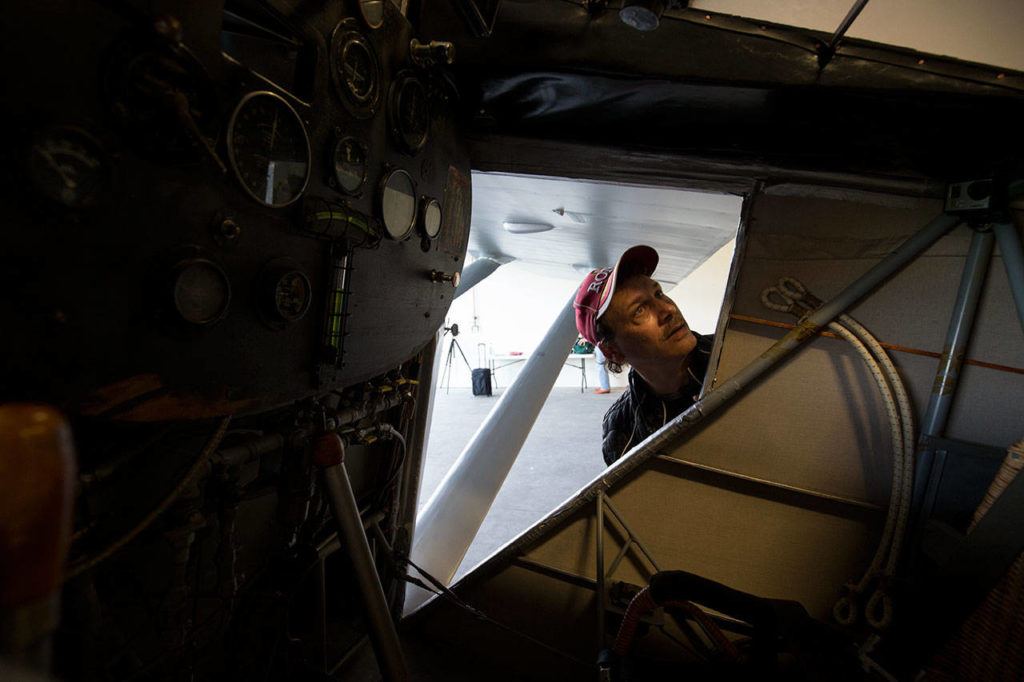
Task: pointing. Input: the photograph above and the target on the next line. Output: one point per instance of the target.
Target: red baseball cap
(597, 289)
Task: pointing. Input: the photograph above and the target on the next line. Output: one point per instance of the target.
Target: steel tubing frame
(1013, 260)
(961, 324)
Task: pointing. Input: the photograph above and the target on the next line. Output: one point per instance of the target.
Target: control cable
(203, 461)
(791, 296)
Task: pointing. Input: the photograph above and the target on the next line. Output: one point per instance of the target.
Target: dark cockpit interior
(231, 234)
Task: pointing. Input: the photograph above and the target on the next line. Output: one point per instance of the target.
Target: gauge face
(398, 204)
(372, 12)
(201, 292)
(163, 100)
(355, 71)
(409, 113)
(291, 296)
(68, 166)
(350, 161)
(269, 149)
(430, 218)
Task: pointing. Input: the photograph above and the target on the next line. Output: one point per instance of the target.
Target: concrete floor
(561, 455)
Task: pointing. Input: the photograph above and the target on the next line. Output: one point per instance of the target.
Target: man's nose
(666, 311)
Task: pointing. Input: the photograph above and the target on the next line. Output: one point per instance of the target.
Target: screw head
(229, 229)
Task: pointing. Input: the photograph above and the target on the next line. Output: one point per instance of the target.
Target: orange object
(37, 473)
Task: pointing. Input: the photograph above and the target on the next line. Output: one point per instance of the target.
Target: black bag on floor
(482, 381)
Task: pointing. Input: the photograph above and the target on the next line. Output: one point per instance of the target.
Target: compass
(355, 71)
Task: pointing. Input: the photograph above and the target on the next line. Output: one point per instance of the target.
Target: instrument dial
(398, 204)
(291, 295)
(430, 218)
(350, 162)
(200, 291)
(355, 71)
(409, 113)
(163, 100)
(269, 149)
(372, 12)
(68, 166)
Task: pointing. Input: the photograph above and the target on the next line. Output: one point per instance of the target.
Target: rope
(790, 295)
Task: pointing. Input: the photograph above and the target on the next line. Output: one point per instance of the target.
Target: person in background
(625, 314)
(602, 372)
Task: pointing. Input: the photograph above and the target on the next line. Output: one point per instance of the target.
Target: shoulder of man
(702, 355)
(617, 427)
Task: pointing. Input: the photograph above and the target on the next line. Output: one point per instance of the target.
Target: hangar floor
(561, 455)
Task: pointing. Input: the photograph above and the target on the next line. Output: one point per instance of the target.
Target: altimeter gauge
(269, 149)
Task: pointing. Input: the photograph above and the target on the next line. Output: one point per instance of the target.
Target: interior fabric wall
(828, 243)
(817, 423)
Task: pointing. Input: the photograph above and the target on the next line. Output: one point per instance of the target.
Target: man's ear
(610, 351)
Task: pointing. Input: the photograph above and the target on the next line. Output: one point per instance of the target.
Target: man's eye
(638, 311)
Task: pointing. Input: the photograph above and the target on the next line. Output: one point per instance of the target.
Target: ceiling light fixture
(644, 15)
(526, 228)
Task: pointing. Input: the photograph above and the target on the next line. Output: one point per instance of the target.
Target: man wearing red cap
(625, 313)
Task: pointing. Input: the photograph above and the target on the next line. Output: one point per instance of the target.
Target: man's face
(647, 326)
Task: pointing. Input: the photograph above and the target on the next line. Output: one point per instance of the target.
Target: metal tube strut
(948, 375)
(847, 21)
(1013, 260)
(329, 457)
(452, 516)
(630, 534)
(476, 272)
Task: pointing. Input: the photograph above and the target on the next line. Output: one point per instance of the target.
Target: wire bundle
(791, 296)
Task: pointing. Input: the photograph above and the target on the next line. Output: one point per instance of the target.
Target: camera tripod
(452, 346)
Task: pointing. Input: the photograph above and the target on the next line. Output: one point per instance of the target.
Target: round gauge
(291, 295)
(200, 291)
(409, 113)
(355, 70)
(349, 163)
(68, 165)
(372, 12)
(398, 204)
(269, 149)
(430, 218)
(163, 100)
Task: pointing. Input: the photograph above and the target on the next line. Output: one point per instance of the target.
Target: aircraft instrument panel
(248, 202)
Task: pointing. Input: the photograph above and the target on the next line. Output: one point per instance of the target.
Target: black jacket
(639, 412)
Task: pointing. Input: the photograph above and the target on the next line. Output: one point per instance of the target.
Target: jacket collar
(641, 392)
